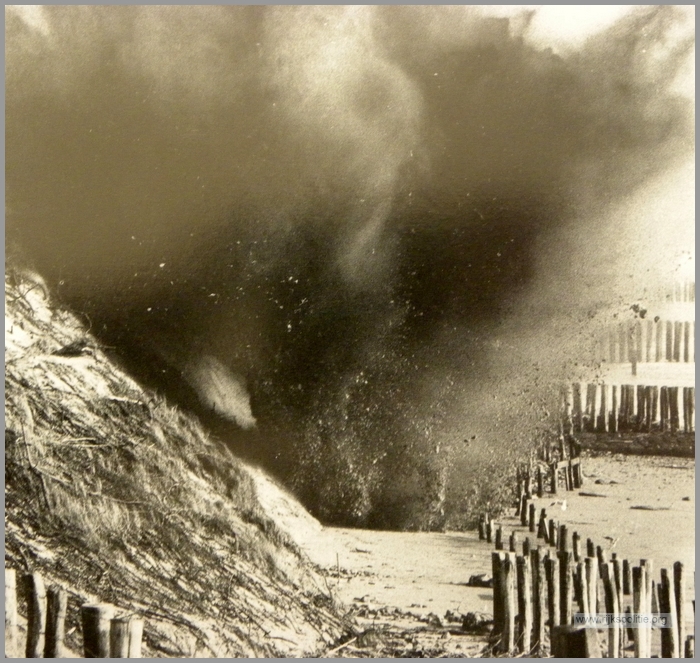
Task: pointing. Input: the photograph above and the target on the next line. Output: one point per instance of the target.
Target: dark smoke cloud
(394, 225)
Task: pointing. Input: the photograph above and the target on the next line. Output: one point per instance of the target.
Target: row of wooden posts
(648, 341)
(542, 586)
(104, 634)
(615, 408)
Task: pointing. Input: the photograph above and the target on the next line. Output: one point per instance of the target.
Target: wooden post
(690, 647)
(496, 562)
(677, 335)
(499, 538)
(663, 408)
(590, 548)
(56, 607)
(482, 529)
(648, 420)
(566, 562)
(626, 577)
(667, 600)
(524, 512)
(119, 638)
(553, 538)
(540, 482)
(669, 340)
(611, 607)
(601, 555)
(580, 594)
(524, 604)
(513, 542)
(639, 607)
(576, 546)
(135, 636)
(553, 473)
(655, 415)
(641, 406)
(527, 547)
(532, 514)
(613, 411)
(553, 594)
(542, 526)
(569, 641)
(539, 594)
(36, 615)
(489, 531)
(679, 592)
(591, 565)
(96, 626)
(648, 566)
(11, 613)
(563, 538)
(508, 589)
(673, 408)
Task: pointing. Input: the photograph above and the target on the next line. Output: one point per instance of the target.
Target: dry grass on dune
(121, 498)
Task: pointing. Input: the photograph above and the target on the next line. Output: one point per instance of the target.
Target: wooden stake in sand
(553, 599)
(96, 620)
(638, 607)
(539, 595)
(679, 591)
(667, 599)
(513, 542)
(542, 526)
(626, 577)
(524, 604)
(36, 615)
(496, 562)
(612, 608)
(553, 538)
(566, 562)
(56, 607)
(591, 566)
(508, 573)
(532, 515)
(576, 546)
(499, 538)
(119, 638)
(135, 636)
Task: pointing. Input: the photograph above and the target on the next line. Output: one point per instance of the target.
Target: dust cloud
(381, 232)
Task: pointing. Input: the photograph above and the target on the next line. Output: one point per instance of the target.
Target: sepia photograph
(349, 331)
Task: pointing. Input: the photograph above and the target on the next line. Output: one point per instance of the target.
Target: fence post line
(96, 620)
(667, 600)
(56, 607)
(524, 603)
(36, 615)
(679, 591)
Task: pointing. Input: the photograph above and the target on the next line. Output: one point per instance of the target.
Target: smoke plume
(377, 233)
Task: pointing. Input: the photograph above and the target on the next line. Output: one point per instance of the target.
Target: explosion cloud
(394, 226)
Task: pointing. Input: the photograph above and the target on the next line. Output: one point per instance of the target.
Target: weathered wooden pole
(527, 547)
(56, 607)
(574, 641)
(532, 517)
(499, 538)
(489, 531)
(524, 604)
(539, 595)
(96, 620)
(679, 592)
(553, 594)
(641, 406)
(669, 636)
(639, 608)
(542, 526)
(496, 562)
(553, 538)
(576, 546)
(590, 548)
(591, 565)
(135, 636)
(11, 613)
(508, 573)
(612, 607)
(673, 408)
(36, 615)
(648, 566)
(664, 408)
(566, 563)
(540, 482)
(613, 410)
(626, 577)
(119, 637)
(513, 542)
(581, 589)
(482, 529)
(690, 647)
(669, 340)
(563, 538)
(524, 512)
(601, 555)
